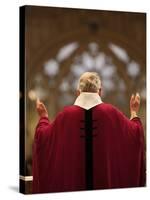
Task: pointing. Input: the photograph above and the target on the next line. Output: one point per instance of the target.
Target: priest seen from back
(90, 145)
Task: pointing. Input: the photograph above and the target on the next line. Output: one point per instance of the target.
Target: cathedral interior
(63, 43)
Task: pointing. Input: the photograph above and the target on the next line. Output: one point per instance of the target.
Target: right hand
(41, 109)
(135, 103)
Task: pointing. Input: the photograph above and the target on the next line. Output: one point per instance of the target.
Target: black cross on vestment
(88, 129)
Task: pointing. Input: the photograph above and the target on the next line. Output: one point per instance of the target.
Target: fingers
(135, 103)
(41, 109)
(40, 105)
(137, 96)
(37, 100)
(135, 100)
(132, 98)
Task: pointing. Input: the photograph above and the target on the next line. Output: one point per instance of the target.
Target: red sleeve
(134, 132)
(133, 129)
(139, 128)
(42, 132)
(44, 139)
(43, 129)
(138, 122)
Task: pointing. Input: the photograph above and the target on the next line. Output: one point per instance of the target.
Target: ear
(100, 92)
(78, 93)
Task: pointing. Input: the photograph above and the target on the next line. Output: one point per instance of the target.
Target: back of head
(89, 82)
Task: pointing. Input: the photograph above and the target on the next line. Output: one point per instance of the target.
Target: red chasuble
(90, 149)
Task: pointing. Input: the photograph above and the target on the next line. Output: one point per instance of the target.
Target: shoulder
(109, 110)
(107, 107)
(72, 109)
(103, 106)
(69, 110)
(68, 114)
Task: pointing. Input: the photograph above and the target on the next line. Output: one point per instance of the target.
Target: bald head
(89, 82)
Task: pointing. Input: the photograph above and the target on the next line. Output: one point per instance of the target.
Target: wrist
(133, 114)
(43, 115)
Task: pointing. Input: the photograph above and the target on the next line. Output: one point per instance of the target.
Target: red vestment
(81, 150)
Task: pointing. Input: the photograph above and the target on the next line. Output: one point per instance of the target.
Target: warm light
(32, 95)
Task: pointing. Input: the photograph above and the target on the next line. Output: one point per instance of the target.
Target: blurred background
(61, 44)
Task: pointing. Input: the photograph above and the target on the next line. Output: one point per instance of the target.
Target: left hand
(135, 103)
(41, 109)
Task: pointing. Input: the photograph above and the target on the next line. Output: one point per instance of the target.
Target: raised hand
(41, 109)
(134, 105)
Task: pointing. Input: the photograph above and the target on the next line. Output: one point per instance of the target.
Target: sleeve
(42, 132)
(134, 135)
(43, 139)
(139, 128)
(132, 128)
(43, 128)
(138, 122)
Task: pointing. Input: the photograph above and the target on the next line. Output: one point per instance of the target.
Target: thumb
(138, 96)
(37, 101)
(132, 98)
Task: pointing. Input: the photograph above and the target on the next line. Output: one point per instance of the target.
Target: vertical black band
(88, 150)
(22, 96)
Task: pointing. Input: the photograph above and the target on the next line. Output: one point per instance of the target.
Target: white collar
(88, 100)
